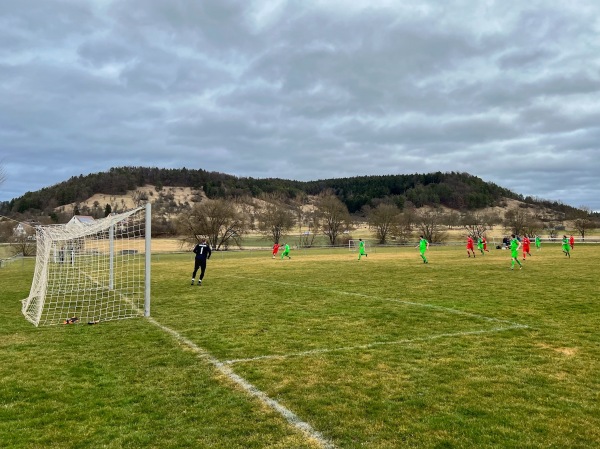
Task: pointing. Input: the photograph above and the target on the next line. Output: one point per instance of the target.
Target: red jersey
(275, 248)
(526, 243)
(469, 243)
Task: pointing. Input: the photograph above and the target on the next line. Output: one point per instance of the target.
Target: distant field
(453, 237)
(5, 251)
(319, 351)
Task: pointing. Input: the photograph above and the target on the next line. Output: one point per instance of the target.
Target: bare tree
(552, 231)
(429, 223)
(139, 197)
(310, 219)
(334, 215)
(478, 223)
(217, 220)
(21, 239)
(383, 219)
(403, 227)
(452, 219)
(584, 222)
(24, 243)
(410, 215)
(6, 230)
(275, 220)
(532, 225)
(518, 221)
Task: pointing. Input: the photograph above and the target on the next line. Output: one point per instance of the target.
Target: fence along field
(382, 352)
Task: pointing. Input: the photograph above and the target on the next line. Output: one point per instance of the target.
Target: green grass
(383, 353)
(261, 241)
(5, 251)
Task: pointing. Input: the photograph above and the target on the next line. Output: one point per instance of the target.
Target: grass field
(319, 351)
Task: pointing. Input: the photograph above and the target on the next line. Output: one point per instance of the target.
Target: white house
(19, 230)
(80, 220)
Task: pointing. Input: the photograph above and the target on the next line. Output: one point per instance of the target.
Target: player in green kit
(361, 249)
(515, 246)
(565, 246)
(286, 252)
(480, 245)
(423, 246)
(538, 242)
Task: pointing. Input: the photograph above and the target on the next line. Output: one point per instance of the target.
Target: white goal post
(92, 271)
(353, 245)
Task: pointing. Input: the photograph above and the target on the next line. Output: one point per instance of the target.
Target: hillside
(123, 187)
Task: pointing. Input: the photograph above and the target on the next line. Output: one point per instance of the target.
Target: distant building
(81, 220)
(19, 230)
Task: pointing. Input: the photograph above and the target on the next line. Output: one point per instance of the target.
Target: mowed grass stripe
(289, 416)
(250, 317)
(119, 384)
(510, 325)
(372, 345)
(531, 387)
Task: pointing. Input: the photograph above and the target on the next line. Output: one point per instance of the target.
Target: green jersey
(423, 244)
(514, 244)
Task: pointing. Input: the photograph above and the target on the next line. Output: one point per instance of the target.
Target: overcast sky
(505, 90)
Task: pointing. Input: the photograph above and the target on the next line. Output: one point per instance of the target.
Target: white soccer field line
(510, 325)
(372, 345)
(379, 298)
(224, 367)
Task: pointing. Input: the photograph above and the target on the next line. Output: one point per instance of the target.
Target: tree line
(224, 208)
(225, 222)
(459, 191)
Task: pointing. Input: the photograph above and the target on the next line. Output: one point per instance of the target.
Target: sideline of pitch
(224, 369)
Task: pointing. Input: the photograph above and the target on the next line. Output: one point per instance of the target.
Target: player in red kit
(571, 242)
(526, 246)
(485, 245)
(275, 249)
(470, 246)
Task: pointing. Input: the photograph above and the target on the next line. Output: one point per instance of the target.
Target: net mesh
(89, 272)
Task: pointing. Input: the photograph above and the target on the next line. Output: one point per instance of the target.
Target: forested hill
(459, 191)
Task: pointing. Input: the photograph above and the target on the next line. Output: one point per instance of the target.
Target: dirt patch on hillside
(139, 196)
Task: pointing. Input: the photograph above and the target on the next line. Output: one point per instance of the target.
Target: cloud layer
(505, 90)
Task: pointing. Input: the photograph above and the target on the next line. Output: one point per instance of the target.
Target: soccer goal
(353, 245)
(92, 271)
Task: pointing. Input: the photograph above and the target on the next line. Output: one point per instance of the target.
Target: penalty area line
(372, 345)
(379, 298)
(224, 369)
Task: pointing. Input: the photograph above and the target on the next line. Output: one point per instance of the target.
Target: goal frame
(60, 247)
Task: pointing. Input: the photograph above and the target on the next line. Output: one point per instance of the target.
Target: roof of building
(83, 218)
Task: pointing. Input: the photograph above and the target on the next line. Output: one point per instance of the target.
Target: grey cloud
(308, 90)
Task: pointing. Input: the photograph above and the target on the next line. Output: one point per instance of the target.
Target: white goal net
(92, 270)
